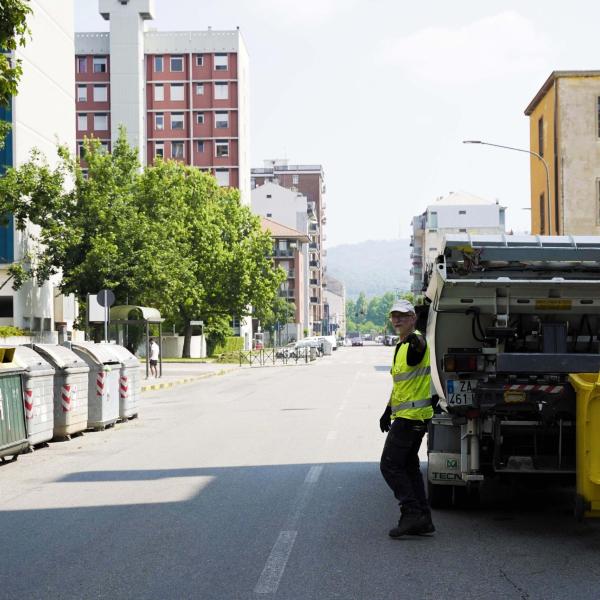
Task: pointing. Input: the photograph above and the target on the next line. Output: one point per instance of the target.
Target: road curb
(150, 387)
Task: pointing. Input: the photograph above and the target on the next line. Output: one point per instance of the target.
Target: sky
(382, 93)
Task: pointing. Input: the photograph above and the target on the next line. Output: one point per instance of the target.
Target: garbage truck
(514, 332)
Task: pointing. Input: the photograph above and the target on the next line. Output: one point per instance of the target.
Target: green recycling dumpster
(13, 430)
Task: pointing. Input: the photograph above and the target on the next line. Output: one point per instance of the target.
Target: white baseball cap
(402, 306)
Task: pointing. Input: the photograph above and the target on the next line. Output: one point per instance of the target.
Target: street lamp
(532, 154)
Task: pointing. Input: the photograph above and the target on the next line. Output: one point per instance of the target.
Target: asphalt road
(265, 483)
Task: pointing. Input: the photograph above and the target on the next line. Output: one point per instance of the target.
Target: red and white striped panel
(101, 384)
(550, 389)
(124, 387)
(65, 398)
(28, 402)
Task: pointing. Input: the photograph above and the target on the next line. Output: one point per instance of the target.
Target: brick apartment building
(180, 95)
(308, 180)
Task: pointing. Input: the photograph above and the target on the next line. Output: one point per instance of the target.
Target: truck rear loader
(514, 334)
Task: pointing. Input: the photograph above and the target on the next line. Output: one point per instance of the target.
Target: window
(104, 148)
(100, 93)
(81, 64)
(101, 122)
(199, 89)
(433, 221)
(221, 62)
(502, 217)
(200, 146)
(159, 149)
(462, 212)
(541, 136)
(199, 60)
(269, 215)
(177, 149)
(176, 120)
(222, 176)
(6, 306)
(221, 91)
(221, 148)
(177, 92)
(99, 64)
(159, 92)
(295, 179)
(221, 120)
(462, 231)
(82, 93)
(159, 121)
(158, 64)
(82, 122)
(200, 118)
(176, 64)
(80, 150)
(542, 213)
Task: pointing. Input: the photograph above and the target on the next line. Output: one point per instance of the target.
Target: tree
(168, 237)
(13, 33)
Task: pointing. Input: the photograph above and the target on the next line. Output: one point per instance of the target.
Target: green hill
(373, 267)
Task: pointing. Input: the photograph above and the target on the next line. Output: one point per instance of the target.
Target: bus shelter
(133, 327)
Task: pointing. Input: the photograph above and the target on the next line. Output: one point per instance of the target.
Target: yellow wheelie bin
(587, 389)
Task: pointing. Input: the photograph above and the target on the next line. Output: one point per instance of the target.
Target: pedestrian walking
(405, 420)
(154, 354)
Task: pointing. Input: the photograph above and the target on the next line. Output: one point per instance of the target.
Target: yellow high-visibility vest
(411, 394)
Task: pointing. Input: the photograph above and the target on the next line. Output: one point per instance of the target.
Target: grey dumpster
(130, 382)
(326, 346)
(38, 394)
(103, 382)
(70, 389)
(13, 431)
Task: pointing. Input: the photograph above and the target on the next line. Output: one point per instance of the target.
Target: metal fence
(282, 356)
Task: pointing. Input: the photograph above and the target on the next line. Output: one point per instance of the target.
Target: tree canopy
(372, 316)
(166, 236)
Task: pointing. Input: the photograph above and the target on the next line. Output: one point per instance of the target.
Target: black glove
(385, 422)
(414, 341)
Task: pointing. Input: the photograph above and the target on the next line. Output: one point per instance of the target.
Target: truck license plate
(461, 392)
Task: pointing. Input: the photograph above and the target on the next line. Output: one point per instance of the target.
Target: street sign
(196, 322)
(105, 298)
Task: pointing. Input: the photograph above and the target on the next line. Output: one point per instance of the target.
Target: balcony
(313, 246)
(314, 300)
(311, 209)
(287, 253)
(287, 294)
(313, 229)
(313, 281)
(314, 264)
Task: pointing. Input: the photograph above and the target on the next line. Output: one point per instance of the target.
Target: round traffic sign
(105, 297)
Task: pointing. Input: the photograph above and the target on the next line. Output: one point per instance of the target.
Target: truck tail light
(463, 363)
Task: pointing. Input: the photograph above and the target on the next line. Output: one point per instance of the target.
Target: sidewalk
(178, 373)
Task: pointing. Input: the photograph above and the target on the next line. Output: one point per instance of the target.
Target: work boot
(429, 527)
(412, 523)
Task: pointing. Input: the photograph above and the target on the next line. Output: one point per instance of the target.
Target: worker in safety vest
(406, 417)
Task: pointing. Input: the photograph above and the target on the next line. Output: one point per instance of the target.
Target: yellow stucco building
(564, 126)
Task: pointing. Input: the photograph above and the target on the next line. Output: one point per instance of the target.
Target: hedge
(231, 344)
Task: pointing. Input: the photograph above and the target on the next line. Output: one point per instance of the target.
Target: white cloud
(489, 49)
(306, 12)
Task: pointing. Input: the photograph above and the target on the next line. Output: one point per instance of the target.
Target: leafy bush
(8, 331)
(230, 344)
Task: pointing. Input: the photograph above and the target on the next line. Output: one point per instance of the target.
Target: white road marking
(269, 579)
(268, 582)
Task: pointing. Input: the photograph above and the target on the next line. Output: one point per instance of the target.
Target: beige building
(289, 250)
(564, 122)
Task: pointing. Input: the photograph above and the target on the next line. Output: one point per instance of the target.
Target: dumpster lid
(32, 361)
(59, 356)
(100, 353)
(124, 356)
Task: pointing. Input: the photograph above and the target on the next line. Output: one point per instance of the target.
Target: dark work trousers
(400, 465)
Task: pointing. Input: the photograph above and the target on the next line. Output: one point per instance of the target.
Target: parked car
(357, 341)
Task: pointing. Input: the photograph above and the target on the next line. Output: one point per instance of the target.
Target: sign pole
(105, 317)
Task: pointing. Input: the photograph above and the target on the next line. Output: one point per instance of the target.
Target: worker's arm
(417, 345)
